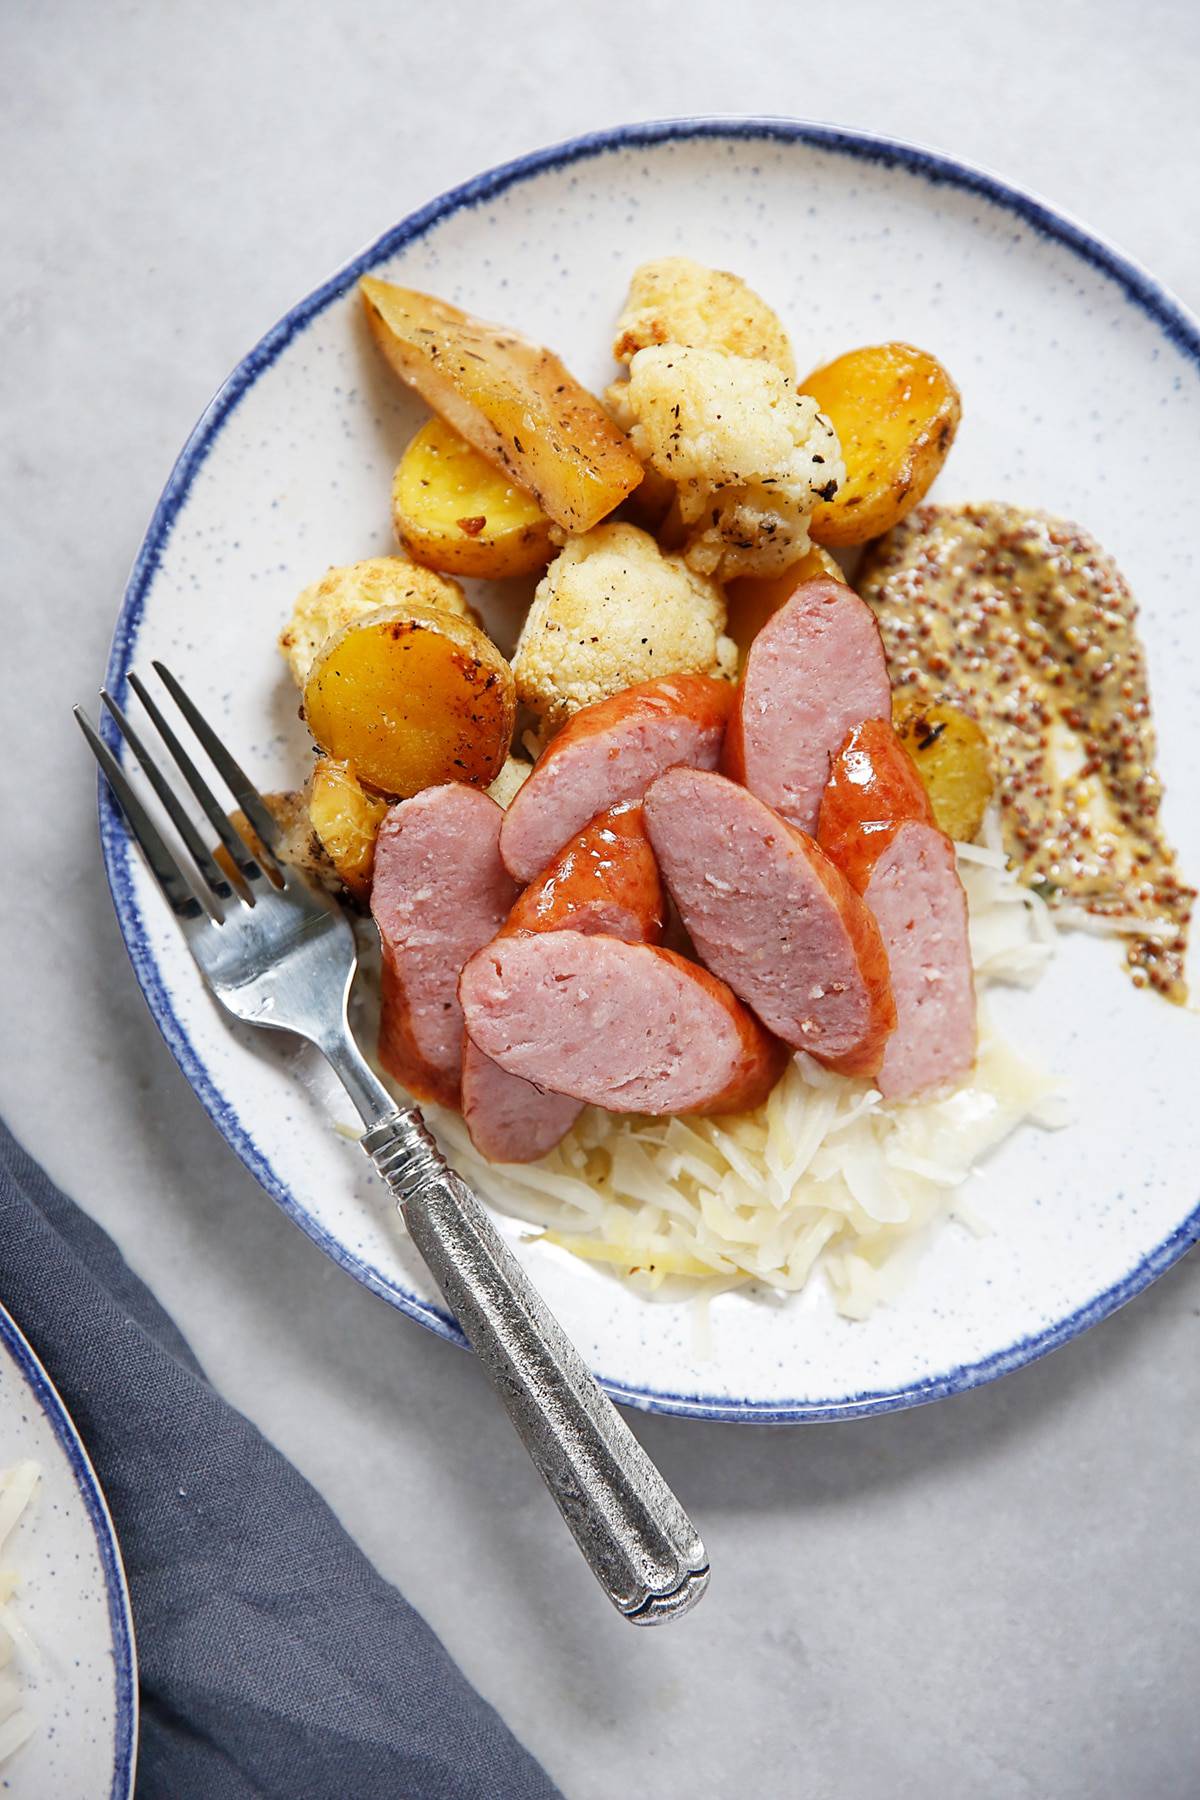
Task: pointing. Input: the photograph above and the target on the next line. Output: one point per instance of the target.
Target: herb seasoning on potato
(455, 510)
(514, 401)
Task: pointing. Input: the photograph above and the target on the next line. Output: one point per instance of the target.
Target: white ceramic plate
(71, 1596)
(1079, 380)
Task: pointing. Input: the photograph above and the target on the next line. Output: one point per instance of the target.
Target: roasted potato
(454, 509)
(352, 591)
(895, 410)
(346, 821)
(954, 761)
(513, 400)
(410, 697)
(752, 599)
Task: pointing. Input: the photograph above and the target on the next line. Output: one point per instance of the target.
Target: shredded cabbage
(17, 1488)
(825, 1174)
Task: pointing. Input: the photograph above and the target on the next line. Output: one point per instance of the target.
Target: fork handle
(639, 1542)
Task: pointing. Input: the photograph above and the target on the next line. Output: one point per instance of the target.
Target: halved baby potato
(353, 591)
(752, 599)
(515, 401)
(346, 820)
(412, 697)
(953, 759)
(454, 509)
(895, 410)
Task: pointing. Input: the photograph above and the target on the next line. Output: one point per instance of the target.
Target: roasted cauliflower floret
(678, 301)
(749, 456)
(613, 610)
(347, 593)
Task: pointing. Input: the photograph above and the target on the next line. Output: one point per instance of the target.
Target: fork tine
(243, 858)
(176, 812)
(170, 877)
(231, 771)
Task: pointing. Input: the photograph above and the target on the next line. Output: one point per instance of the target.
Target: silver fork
(277, 952)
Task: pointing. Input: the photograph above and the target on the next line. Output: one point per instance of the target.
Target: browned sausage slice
(604, 880)
(611, 752)
(873, 789)
(815, 669)
(630, 1027)
(770, 914)
(919, 903)
(440, 891)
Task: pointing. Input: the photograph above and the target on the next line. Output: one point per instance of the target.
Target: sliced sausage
(815, 669)
(604, 880)
(919, 903)
(873, 789)
(510, 1120)
(440, 891)
(770, 914)
(611, 752)
(630, 1027)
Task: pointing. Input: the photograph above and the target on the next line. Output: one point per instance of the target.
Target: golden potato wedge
(410, 697)
(513, 400)
(954, 761)
(352, 591)
(346, 820)
(895, 410)
(454, 509)
(751, 599)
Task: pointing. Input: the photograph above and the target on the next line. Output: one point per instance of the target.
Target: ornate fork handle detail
(639, 1542)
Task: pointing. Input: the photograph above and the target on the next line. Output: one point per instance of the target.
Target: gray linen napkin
(275, 1661)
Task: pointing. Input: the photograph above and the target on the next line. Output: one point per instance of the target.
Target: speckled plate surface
(72, 1597)
(1081, 396)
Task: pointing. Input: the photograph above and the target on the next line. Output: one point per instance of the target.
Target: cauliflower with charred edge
(678, 301)
(352, 591)
(748, 455)
(613, 610)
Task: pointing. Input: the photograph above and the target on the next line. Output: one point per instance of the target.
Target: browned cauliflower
(748, 455)
(357, 588)
(613, 610)
(677, 301)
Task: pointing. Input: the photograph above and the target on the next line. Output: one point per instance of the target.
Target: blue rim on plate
(120, 1617)
(1139, 289)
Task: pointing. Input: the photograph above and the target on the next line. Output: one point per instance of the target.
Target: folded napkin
(275, 1662)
